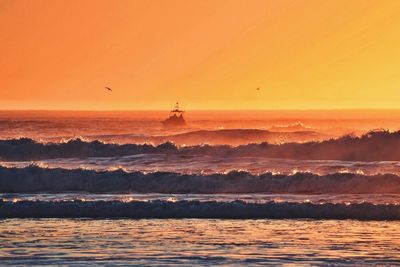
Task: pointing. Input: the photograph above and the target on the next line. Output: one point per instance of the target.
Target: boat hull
(174, 122)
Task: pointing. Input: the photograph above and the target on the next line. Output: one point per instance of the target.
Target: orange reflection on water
(195, 241)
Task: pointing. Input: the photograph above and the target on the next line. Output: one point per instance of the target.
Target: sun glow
(208, 54)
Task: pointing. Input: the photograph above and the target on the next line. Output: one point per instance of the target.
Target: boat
(175, 118)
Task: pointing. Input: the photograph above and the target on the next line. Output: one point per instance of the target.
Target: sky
(302, 54)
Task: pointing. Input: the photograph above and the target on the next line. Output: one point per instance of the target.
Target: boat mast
(176, 109)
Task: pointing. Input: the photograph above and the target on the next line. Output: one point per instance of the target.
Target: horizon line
(195, 110)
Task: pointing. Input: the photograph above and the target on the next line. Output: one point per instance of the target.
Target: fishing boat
(175, 118)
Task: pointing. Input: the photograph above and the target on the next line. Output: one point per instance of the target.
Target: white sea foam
(372, 146)
(38, 179)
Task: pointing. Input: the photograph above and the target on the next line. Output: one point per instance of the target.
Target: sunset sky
(309, 54)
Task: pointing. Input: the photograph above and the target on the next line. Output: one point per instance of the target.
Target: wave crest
(373, 146)
(37, 179)
(29, 149)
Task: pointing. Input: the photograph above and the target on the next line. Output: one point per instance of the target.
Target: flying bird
(108, 88)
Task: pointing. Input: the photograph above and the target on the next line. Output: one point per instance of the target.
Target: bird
(258, 89)
(108, 88)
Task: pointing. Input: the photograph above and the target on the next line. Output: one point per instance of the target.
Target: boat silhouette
(175, 118)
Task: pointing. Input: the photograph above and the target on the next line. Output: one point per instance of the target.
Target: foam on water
(39, 179)
(372, 146)
(207, 164)
(248, 198)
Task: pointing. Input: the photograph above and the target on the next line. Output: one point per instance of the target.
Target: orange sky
(209, 54)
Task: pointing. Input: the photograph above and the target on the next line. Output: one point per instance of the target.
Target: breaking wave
(373, 146)
(29, 149)
(196, 209)
(37, 179)
(233, 137)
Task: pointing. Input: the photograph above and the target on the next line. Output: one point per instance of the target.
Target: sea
(231, 188)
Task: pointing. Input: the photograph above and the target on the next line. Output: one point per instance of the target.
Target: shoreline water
(198, 242)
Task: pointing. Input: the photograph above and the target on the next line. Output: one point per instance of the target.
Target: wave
(37, 179)
(233, 137)
(294, 127)
(29, 149)
(373, 146)
(196, 209)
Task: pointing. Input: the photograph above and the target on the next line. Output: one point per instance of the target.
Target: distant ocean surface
(231, 188)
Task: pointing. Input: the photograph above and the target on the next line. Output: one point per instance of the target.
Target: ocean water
(231, 188)
(199, 242)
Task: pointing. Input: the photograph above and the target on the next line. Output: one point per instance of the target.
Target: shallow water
(199, 242)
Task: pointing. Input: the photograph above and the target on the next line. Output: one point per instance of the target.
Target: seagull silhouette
(108, 88)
